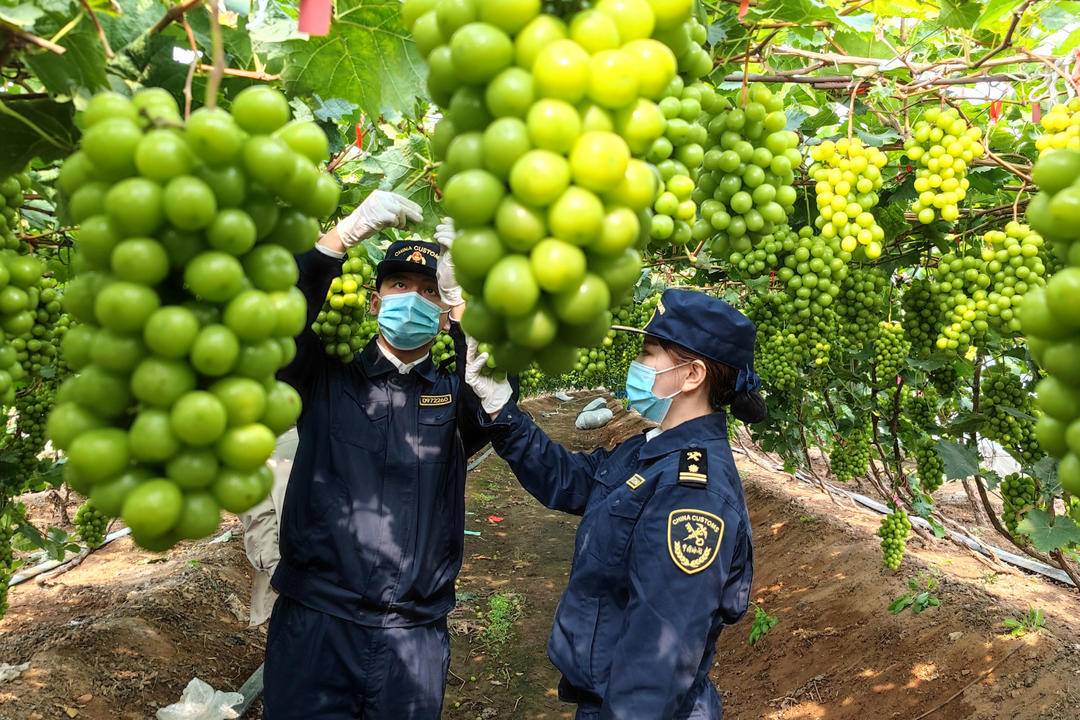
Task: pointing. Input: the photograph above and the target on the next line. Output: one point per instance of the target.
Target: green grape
(860, 306)
(929, 467)
(849, 456)
(1062, 128)
(890, 352)
(1003, 394)
(90, 524)
(343, 322)
(922, 316)
(1019, 495)
(893, 532)
(943, 145)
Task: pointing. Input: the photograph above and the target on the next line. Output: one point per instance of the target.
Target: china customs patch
(693, 538)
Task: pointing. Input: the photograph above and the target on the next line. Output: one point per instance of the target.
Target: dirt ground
(123, 633)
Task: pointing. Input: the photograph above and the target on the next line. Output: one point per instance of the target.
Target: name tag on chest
(434, 400)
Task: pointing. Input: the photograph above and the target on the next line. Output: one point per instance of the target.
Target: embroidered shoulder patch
(693, 539)
(434, 400)
(635, 481)
(694, 467)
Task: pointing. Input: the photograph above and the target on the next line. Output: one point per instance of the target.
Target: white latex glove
(380, 210)
(449, 288)
(493, 393)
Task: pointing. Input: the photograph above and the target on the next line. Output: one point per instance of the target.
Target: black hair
(748, 406)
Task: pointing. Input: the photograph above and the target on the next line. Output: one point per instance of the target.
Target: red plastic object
(359, 136)
(744, 5)
(995, 110)
(315, 16)
(1036, 112)
(495, 519)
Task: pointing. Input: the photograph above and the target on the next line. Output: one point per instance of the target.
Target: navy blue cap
(413, 256)
(708, 327)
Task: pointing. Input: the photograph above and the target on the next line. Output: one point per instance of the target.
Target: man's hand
(448, 284)
(493, 393)
(380, 210)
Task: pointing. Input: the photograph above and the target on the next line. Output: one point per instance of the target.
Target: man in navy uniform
(663, 557)
(372, 526)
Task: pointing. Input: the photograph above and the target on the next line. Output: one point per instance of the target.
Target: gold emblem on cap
(416, 257)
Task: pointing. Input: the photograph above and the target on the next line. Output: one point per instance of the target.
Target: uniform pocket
(360, 417)
(614, 525)
(573, 638)
(436, 434)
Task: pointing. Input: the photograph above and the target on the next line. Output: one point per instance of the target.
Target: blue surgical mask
(640, 379)
(407, 320)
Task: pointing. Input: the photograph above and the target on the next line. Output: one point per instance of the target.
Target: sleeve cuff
(330, 253)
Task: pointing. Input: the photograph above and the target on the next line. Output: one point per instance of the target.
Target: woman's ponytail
(749, 407)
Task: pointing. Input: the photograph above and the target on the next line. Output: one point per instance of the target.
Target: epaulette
(694, 467)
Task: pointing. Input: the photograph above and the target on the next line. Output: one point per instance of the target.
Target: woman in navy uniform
(372, 524)
(663, 557)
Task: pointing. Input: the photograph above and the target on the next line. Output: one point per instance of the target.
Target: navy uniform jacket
(373, 523)
(662, 560)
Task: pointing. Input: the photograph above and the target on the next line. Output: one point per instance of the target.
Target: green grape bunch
(7, 559)
(862, 303)
(26, 443)
(944, 146)
(777, 361)
(186, 303)
(1061, 126)
(90, 524)
(929, 467)
(894, 531)
(923, 316)
(546, 124)
(849, 456)
(442, 350)
(343, 322)
(847, 176)
(1019, 495)
(12, 190)
(1004, 397)
(891, 349)
(1050, 317)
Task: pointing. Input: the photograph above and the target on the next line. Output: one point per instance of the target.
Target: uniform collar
(692, 433)
(375, 363)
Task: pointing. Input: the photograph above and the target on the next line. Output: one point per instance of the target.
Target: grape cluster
(90, 524)
(41, 348)
(813, 274)
(26, 443)
(766, 254)
(11, 199)
(532, 381)
(921, 407)
(922, 316)
(893, 532)
(777, 361)
(546, 123)
(943, 145)
(929, 467)
(891, 349)
(862, 303)
(185, 294)
(1019, 495)
(7, 559)
(1062, 128)
(849, 456)
(750, 170)
(847, 176)
(1051, 315)
(343, 322)
(1003, 393)
(442, 350)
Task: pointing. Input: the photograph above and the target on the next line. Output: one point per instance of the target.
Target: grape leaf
(958, 13)
(1048, 533)
(133, 20)
(960, 461)
(367, 57)
(81, 68)
(995, 11)
(21, 16)
(34, 128)
(333, 110)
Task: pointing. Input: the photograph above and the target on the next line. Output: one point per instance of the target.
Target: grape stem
(109, 55)
(213, 84)
(172, 14)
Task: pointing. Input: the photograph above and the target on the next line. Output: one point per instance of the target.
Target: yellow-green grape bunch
(90, 524)
(891, 350)
(531, 379)
(343, 322)
(929, 467)
(674, 211)
(943, 145)
(767, 252)
(186, 301)
(862, 303)
(1003, 396)
(540, 143)
(442, 350)
(962, 282)
(920, 407)
(752, 168)
(849, 456)
(591, 363)
(11, 199)
(1014, 264)
(1050, 317)
(1019, 496)
(685, 39)
(25, 444)
(922, 316)
(893, 532)
(1061, 126)
(847, 176)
